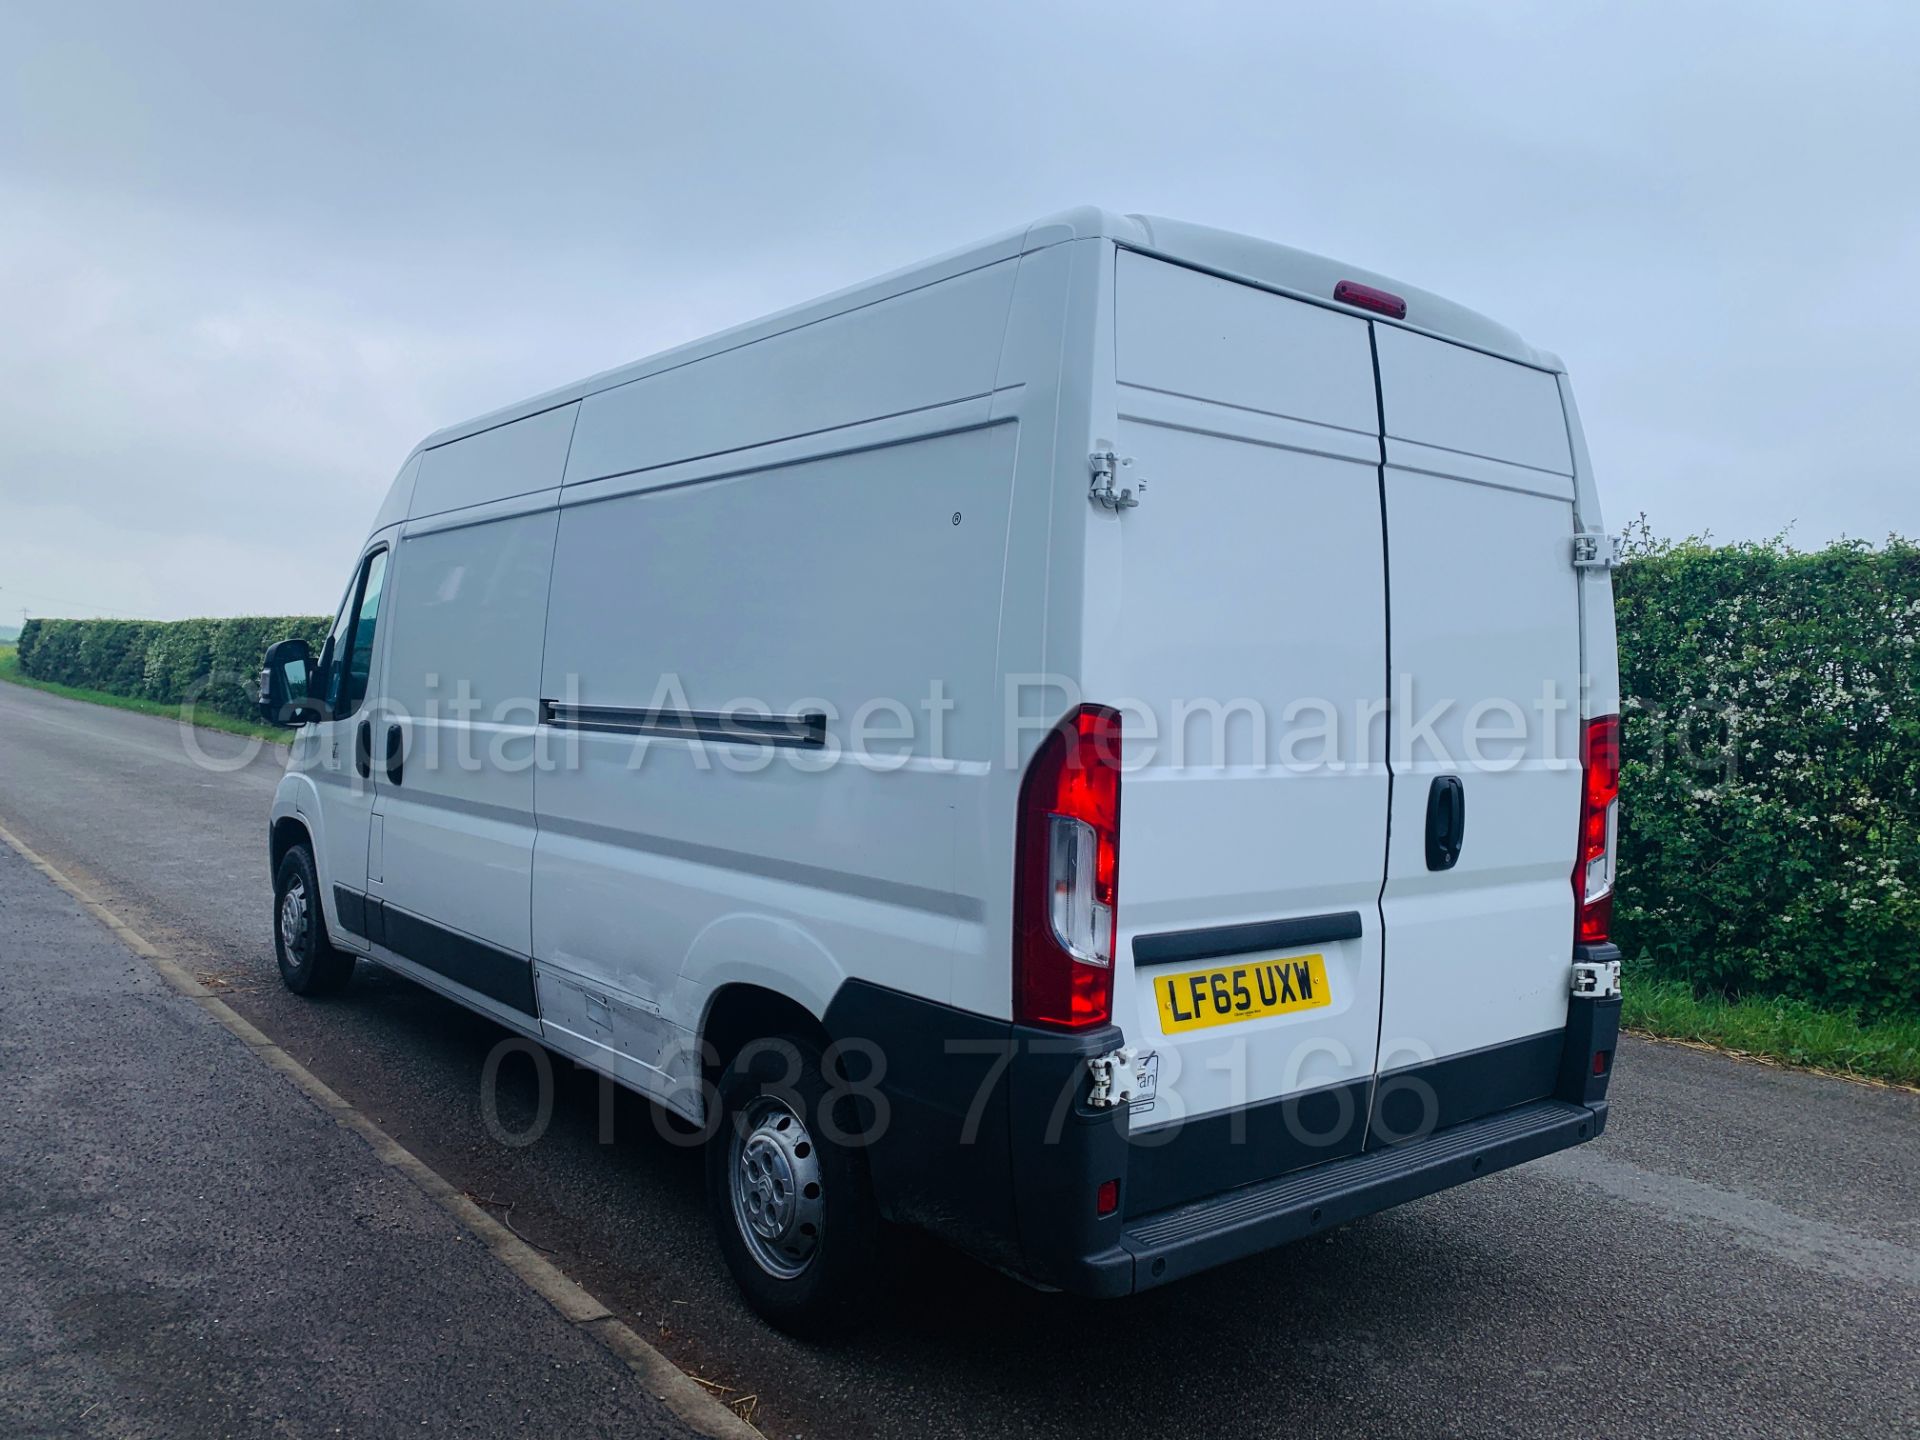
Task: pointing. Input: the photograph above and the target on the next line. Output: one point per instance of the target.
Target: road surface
(195, 1248)
(1738, 1255)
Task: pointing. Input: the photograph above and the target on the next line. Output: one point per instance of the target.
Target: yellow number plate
(1195, 999)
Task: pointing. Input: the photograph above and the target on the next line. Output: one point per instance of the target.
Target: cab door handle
(396, 755)
(363, 748)
(1446, 821)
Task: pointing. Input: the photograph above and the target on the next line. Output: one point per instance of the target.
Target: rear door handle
(1446, 821)
(396, 754)
(363, 748)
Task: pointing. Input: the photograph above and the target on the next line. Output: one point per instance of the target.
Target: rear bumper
(983, 1134)
(1189, 1238)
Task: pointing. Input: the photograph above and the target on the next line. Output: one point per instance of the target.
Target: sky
(250, 254)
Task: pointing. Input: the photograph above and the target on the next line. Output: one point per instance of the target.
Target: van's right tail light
(1599, 831)
(1066, 874)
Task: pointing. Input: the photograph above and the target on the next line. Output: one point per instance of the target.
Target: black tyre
(308, 962)
(793, 1209)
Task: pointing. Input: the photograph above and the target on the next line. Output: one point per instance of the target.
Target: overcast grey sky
(250, 253)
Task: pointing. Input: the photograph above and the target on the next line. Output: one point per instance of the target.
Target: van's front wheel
(308, 962)
(792, 1208)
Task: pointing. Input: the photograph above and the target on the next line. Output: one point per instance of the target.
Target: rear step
(1190, 1238)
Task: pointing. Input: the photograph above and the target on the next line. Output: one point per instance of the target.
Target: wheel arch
(283, 834)
(740, 1011)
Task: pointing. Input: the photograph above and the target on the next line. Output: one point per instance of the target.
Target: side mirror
(283, 684)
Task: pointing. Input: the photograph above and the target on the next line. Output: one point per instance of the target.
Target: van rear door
(1243, 606)
(1484, 639)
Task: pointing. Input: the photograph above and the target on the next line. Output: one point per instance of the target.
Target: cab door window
(347, 662)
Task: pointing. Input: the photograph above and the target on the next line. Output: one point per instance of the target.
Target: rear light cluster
(1066, 874)
(1599, 831)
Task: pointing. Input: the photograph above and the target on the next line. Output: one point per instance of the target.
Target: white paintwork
(1255, 577)
(1599, 650)
(1485, 615)
(462, 683)
(400, 494)
(769, 515)
(1439, 394)
(514, 459)
(1277, 268)
(837, 371)
(1478, 954)
(322, 786)
(646, 845)
(1196, 335)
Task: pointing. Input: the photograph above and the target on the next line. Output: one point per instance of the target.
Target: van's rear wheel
(308, 962)
(793, 1209)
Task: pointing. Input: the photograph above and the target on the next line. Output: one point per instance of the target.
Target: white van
(1102, 746)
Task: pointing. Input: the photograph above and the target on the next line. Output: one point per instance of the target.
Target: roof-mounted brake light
(1352, 292)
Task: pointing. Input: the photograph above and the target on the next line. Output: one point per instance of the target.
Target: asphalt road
(1739, 1254)
(194, 1248)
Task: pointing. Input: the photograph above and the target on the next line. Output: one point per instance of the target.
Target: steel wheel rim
(773, 1174)
(293, 920)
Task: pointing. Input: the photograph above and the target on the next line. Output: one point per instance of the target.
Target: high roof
(1241, 257)
(1311, 277)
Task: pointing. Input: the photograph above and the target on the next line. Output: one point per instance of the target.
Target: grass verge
(1790, 1031)
(205, 719)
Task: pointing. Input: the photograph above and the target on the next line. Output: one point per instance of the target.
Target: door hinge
(1596, 979)
(1593, 551)
(1113, 1079)
(1106, 474)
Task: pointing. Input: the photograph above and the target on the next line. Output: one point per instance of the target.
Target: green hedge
(1770, 776)
(214, 663)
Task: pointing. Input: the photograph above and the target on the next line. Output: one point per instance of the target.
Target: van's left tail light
(1066, 874)
(1599, 831)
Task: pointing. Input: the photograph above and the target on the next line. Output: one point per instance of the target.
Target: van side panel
(463, 674)
(1599, 647)
(517, 459)
(1042, 379)
(927, 347)
(669, 866)
(399, 499)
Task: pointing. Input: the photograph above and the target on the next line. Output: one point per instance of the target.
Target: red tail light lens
(1066, 874)
(1599, 831)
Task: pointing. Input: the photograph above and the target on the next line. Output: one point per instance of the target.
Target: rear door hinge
(1106, 474)
(1594, 551)
(1113, 1078)
(1596, 979)
(1124, 1077)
